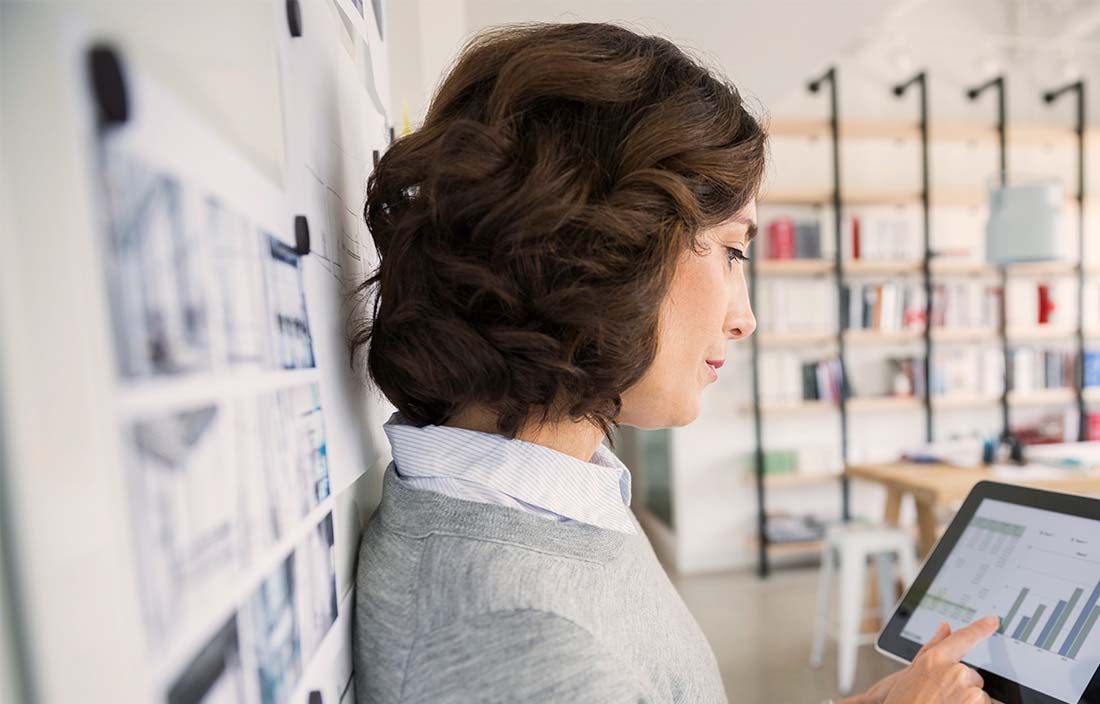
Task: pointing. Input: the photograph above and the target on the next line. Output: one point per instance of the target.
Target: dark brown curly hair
(528, 232)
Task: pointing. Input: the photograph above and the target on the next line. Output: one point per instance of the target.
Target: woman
(561, 248)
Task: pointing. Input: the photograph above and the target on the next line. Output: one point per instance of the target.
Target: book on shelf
(886, 307)
(788, 237)
(966, 304)
(874, 233)
(780, 461)
(1034, 369)
(1092, 367)
(803, 306)
(900, 306)
(967, 371)
(960, 371)
(1057, 427)
(1049, 303)
(807, 461)
(795, 232)
(786, 378)
(1092, 425)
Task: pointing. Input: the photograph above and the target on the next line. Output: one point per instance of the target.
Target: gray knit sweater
(459, 601)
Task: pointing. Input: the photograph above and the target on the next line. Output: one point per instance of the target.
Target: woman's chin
(664, 415)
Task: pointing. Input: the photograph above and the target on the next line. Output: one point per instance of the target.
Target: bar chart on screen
(1037, 570)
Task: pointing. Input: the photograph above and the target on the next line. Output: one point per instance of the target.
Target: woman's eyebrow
(751, 224)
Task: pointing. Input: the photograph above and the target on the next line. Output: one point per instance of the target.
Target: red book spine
(1094, 426)
(1046, 304)
(855, 237)
(781, 239)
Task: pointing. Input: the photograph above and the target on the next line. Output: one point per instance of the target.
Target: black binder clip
(294, 18)
(301, 235)
(108, 86)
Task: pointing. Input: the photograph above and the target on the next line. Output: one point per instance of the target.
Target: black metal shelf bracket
(921, 82)
(1077, 89)
(998, 83)
(814, 86)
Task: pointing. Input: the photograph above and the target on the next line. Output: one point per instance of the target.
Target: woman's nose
(741, 324)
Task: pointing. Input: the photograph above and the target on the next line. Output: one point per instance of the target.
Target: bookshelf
(839, 269)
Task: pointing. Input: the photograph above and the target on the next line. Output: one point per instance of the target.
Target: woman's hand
(936, 676)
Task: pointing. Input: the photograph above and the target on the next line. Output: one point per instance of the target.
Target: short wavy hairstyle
(529, 230)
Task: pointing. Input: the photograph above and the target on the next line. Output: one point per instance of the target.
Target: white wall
(230, 69)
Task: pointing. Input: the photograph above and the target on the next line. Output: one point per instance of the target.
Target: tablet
(1032, 558)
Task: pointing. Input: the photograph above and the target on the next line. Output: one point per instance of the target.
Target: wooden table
(942, 485)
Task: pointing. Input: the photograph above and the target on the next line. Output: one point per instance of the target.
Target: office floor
(761, 631)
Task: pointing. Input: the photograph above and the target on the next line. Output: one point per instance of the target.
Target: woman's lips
(713, 366)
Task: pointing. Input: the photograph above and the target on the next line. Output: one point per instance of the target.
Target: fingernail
(992, 620)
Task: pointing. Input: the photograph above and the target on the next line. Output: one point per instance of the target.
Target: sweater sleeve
(517, 656)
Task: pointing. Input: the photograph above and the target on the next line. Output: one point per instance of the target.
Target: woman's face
(707, 304)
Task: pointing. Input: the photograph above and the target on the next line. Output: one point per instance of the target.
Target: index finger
(959, 643)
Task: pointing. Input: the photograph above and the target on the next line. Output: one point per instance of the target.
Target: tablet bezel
(890, 641)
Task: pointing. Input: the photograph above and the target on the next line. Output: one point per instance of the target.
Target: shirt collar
(596, 492)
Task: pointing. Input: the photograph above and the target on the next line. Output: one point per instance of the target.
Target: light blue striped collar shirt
(491, 469)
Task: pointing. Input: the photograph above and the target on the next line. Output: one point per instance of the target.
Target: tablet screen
(1040, 572)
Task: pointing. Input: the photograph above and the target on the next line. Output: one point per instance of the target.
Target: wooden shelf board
(882, 198)
(968, 199)
(937, 131)
(880, 337)
(796, 198)
(797, 407)
(876, 337)
(1062, 266)
(800, 479)
(940, 267)
(795, 340)
(871, 267)
(793, 267)
(1041, 332)
(884, 403)
(961, 267)
(1040, 398)
(963, 334)
(857, 404)
(963, 401)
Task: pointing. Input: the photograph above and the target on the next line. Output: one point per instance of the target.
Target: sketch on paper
(214, 675)
(315, 561)
(184, 513)
(292, 460)
(292, 344)
(235, 255)
(275, 635)
(154, 277)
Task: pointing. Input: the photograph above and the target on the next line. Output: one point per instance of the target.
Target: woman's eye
(735, 254)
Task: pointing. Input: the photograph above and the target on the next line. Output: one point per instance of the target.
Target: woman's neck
(574, 438)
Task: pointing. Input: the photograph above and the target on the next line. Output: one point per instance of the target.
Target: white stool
(852, 545)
